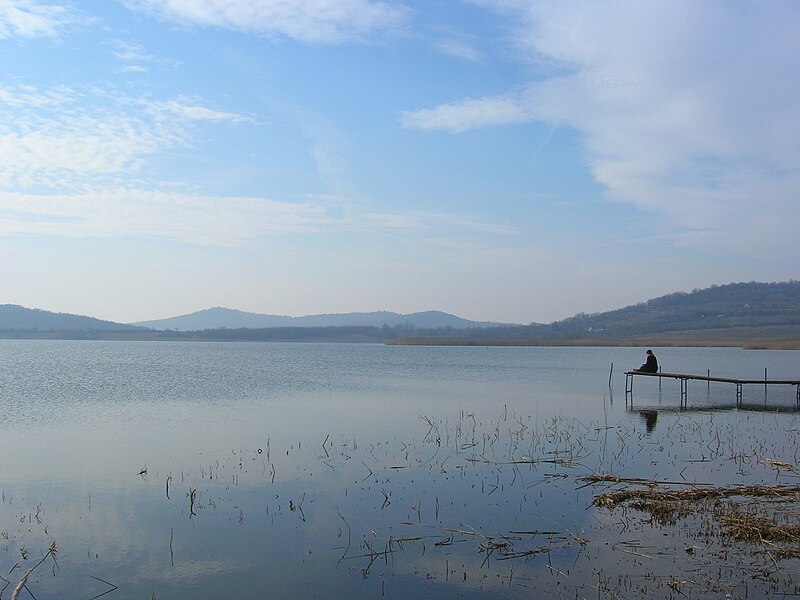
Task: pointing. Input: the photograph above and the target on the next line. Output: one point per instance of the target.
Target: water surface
(206, 470)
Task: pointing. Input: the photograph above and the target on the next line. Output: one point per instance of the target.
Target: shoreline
(355, 338)
(788, 344)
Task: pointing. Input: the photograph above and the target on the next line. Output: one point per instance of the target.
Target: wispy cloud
(311, 21)
(686, 108)
(136, 59)
(464, 115)
(30, 18)
(193, 110)
(427, 221)
(30, 97)
(63, 143)
(171, 216)
(460, 49)
(383, 220)
(193, 218)
(65, 138)
(70, 161)
(128, 52)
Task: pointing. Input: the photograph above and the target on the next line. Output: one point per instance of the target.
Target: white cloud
(136, 59)
(192, 110)
(128, 52)
(55, 153)
(68, 139)
(687, 108)
(29, 18)
(179, 217)
(205, 220)
(69, 160)
(29, 97)
(460, 49)
(313, 21)
(462, 116)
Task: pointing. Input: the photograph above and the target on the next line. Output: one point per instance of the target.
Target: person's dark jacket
(651, 366)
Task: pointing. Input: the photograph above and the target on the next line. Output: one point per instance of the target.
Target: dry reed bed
(771, 518)
(612, 499)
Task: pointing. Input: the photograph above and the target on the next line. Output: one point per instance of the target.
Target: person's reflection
(650, 417)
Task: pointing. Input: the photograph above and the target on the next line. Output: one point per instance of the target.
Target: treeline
(355, 334)
(288, 334)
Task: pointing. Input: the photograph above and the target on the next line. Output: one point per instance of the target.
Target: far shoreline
(788, 344)
(329, 337)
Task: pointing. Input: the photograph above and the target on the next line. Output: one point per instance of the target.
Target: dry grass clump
(772, 519)
(611, 500)
(664, 512)
(750, 527)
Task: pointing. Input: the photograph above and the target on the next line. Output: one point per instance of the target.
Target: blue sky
(503, 160)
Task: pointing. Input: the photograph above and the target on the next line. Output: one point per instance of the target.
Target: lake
(242, 470)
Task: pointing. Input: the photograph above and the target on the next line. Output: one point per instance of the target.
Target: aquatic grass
(783, 538)
(506, 499)
(22, 584)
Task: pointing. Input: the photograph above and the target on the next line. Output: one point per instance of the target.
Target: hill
(228, 318)
(736, 311)
(18, 318)
(733, 313)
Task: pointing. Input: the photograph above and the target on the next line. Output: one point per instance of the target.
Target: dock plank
(690, 376)
(685, 378)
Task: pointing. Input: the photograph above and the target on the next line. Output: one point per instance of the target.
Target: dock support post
(738, 394)
(684, 392)
(629, 388)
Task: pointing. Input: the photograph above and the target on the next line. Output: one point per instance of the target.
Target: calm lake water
(236, 470)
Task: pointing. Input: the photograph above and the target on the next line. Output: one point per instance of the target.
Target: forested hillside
(733, 311)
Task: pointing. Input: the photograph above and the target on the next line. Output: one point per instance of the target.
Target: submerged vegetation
(506, 505)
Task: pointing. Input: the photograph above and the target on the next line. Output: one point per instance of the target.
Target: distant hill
(228, 318)
(19, 318)
(736, 311)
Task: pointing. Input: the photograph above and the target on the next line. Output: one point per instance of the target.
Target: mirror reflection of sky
(189, 470)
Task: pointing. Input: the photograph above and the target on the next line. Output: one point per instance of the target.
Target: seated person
(651, 366)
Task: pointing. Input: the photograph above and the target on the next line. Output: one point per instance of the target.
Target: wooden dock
(685, 378)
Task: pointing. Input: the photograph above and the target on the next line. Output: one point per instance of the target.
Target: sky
(503, 160)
